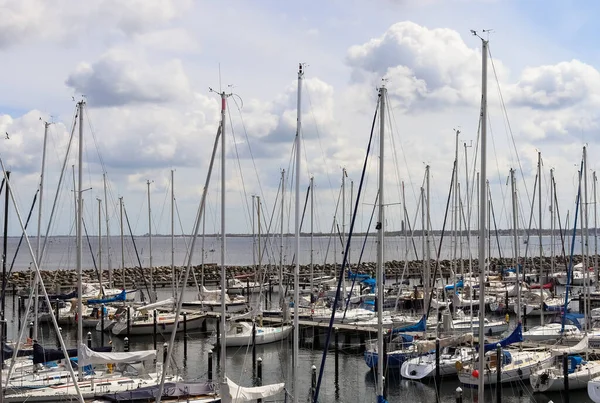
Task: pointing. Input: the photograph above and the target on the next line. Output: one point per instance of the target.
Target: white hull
(215, 306)
(552, 379)
(551, 331)
(593, 388)
(264, 335)
(528, 362)
(146, 327)
(424, 366)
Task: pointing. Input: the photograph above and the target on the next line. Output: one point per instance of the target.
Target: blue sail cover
(357, 275)
(7, 352)
(42, 355)
(420, 326)
(459, 284)
(515, 337)
(575, 319)
(116, 298)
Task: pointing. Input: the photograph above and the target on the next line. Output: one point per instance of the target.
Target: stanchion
(126, 344)
(89, 339)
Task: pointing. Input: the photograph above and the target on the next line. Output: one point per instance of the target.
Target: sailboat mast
(122, 241)
(380, 249)
(223, 341)
(312, 218)
(80, 239)
(427, 256)
(482, 214)
(100, 245)
(585, 252)
(281, 239)
(38, 251)
(468, 198)
(540, 237)
(595, 179)
(296, 342)
(173, 233)
(552, 223)
(152, 299)
(515, 212)
(110, 273)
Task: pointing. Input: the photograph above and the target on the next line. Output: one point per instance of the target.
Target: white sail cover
(243, 394)
(168, 301)
(212, 295)
(92, 357)
(577, 348)
(428, 345)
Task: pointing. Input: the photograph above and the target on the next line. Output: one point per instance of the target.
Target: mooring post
(126, 344)
(89, 339)
(336, 349)
(31, 330)
(459, 395)
(19, 316)
(566, 376)
(259, 376)
(154, 328)
(185, 336)
(210, 365)
(58, 338)
(165, 353)
(437, 367)
(103, 310)
(253, 346)
(498, 373)
(218, 343)
(313, 379)
(128, 321)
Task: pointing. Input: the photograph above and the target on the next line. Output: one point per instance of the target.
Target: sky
(145, 69)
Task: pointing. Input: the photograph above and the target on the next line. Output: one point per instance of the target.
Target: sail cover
(89, 356)
(168, 301)
(150, 393)
(420, 326)
(42, 355)
(243, 394)
(515, 337)
(116, 298)
(429, 345)
(577, 348)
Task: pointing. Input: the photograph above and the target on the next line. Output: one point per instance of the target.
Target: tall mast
(540, 236)
(122, 241)
(312, 218)
(80, 239)
(223, 341)
(110, 273)
(423, 232)
(586, 251)
(380, 239)
(297, 233)
(152, 299)
(482, 213)
(427, 248)
(100, 244)
(173, 233)
(552, 223)
(38, 251)
(344, 289)
(254, 233)
(468, 213)
(595, 178)
(515, 213)
(281, 240)
(455, 208)
(203, 250)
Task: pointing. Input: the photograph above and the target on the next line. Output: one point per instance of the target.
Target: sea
(353, 382)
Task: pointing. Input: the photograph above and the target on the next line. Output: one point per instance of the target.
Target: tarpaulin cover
(42, 355)
(150, 393)
(117, 298)
(89, 356)
(515, 337)
(420, 326)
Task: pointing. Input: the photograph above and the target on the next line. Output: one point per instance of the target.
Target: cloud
(120, 78)
(62, 20)
(425, 68)
(556, 86)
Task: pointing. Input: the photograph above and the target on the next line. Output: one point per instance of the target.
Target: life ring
(458, 365)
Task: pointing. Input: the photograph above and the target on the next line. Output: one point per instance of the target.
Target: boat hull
(147, 328)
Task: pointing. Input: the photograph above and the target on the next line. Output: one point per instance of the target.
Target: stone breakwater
(136, 277)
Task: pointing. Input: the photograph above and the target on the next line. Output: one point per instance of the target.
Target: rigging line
(439, 250)
(535, 184)
(345, 261)
(158, 223)
(333, 224)
(327, 173)
(497, 165)
(560, 230)
(93, 132)
(392, 116)
(302, 220)
(495, 225)
(237, 155)
(23, 233)
(99, 275)
(505, 112)
(249, 146)
(362, 251)
(136, 254)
